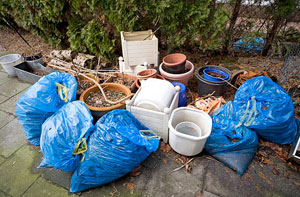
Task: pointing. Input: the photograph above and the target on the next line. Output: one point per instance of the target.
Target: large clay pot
(182, 78)
(97, 112)
(175, 63)
(138, 81)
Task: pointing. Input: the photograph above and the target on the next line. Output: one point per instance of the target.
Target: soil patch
(97, 99)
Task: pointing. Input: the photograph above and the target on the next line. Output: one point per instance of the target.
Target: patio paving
(20, 176)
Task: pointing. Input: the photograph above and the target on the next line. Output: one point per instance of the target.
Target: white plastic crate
(137, 48)
(154, 120)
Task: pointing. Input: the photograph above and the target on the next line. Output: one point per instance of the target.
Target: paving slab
(12, 138)
(19, 171)
(164, 182)
(3, 77)
(41, 187)
(12, 87)
(62, 179)
(3, 98)
(9, 106)
(5, 118)
(2, 194)
(2, 159)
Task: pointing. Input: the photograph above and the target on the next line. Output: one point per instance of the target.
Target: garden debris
(97, 99)
(40, 72)
(83, 85)
(124, 81)
(241, 78)
(187, 166)
(208, 105)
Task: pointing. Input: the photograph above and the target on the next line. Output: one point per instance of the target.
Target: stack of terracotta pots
(176, 68)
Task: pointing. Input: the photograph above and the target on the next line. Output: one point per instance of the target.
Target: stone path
(20, 176)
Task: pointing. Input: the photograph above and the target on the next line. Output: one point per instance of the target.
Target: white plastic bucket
(9, 61)
(188, 128)
(186, 144)
(155, 94)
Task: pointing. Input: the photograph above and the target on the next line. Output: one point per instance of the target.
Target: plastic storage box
(137, 48)
(154, 120)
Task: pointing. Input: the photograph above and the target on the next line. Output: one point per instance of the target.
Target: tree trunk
(271, 35)
(229, 32)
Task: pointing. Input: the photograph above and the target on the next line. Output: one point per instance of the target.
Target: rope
(62, 90)
(80, 148)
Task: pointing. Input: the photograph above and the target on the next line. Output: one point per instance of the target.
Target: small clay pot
(138, 81)
(145, 74)
(174, 63)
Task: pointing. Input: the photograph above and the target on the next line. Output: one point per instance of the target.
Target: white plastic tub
(156, 94)
(9, 61)
(183, 143)
(154, 120)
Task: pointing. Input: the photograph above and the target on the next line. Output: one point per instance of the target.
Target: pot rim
(198, 76)
(99, 109)
(18, 55)
(178, 76)
(177, 63)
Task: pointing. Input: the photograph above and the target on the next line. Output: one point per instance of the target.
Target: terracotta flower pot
(175, 63)
(81, 78)
(97, 112)
(182, 78)
(145, 74)
(138, 82)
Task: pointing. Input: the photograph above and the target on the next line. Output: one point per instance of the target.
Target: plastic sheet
(62, 132)
(115, 148)
(252, 46)
(43, 99)
(234, 147)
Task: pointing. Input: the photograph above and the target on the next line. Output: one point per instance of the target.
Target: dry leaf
(265, 178)
(275, 171)
(165, 147)
(130, 186)
(297, 184)
(136, 171)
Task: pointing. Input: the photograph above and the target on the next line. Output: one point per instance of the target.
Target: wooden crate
(137, 50)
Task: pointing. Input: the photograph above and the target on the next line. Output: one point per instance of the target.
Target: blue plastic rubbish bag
(115, 148)
(254, 45)
(41, 100)
(234, 147)
(263, 106)
(64, 134)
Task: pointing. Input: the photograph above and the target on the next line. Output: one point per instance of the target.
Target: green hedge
(94, 25)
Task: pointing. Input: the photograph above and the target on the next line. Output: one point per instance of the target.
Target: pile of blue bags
(260, 107)
(63, 127)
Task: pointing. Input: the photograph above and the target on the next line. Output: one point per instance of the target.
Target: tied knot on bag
(250, 113)
(146, 136)
(62, 92)
(80, 148)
